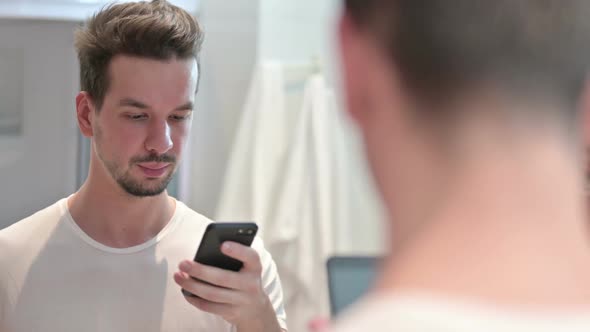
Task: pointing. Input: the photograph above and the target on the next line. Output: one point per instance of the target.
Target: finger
(245, 254)
(206, 291)
(223, 310)
(211, 274)
(318, 324)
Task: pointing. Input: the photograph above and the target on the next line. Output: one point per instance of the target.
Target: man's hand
(238, 297)
(319, 324)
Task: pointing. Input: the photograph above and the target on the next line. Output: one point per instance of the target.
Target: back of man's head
(527, 49)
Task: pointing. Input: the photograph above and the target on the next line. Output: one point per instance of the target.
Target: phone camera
(250, 231)
(240, 231)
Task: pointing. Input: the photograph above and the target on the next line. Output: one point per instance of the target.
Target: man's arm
(238, 297)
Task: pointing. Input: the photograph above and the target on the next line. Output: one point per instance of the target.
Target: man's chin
(145, 189)
(145, 192)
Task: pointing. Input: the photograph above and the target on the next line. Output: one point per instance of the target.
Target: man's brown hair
(155, 29)
(527, 48)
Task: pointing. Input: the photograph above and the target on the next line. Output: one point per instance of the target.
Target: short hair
(155, 29)
(447, 47)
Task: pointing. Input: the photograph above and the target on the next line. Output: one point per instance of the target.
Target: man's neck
(511, 229)
(117, 219)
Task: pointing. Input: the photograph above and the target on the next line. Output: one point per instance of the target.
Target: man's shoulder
(30, 228)
(190, 216)
(424, 313)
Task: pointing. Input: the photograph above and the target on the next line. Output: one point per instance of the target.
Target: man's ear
(85, 111)
(353, 64)
(584, 116)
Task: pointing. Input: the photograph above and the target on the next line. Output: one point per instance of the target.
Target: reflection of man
(469, 116)
(106, 258)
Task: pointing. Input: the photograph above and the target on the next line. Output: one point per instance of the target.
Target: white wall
(39, 167)
(228, 58)
(296, 31)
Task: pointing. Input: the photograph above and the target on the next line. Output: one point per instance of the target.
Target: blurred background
(270, 143)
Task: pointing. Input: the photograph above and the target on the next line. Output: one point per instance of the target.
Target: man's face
(145, 119)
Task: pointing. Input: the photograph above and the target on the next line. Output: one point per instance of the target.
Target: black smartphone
(209, 252)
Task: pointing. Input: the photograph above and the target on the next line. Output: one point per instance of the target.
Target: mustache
(164, 158)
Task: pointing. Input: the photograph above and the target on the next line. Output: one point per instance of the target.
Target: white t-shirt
(54, 277)
(424, 314)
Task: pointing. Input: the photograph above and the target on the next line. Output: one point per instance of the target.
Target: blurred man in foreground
(470, 117)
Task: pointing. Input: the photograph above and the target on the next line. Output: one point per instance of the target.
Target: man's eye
(180, 117)
(136, 116)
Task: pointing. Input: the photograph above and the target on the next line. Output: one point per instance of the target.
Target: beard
(141, 187)
(134, 186)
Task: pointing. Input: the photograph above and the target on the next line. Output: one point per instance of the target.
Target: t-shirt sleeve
(3, 302)
(6, 296)
(271, 282)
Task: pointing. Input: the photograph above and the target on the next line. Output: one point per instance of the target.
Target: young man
(115, 255)
(470, 116)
